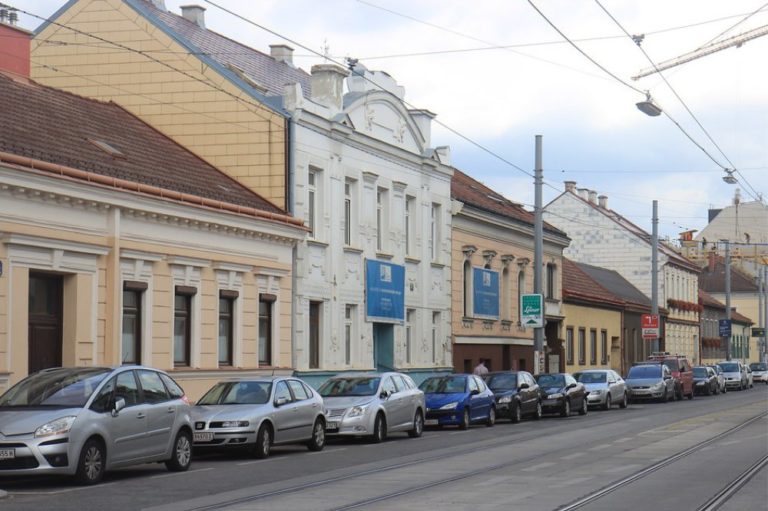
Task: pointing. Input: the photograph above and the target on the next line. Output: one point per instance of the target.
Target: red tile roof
(712, 278)
(578, 285)
(61, 128)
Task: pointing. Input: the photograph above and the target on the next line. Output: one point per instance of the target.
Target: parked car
(255, 414)
(735, 374)
(605, 388)
(373, 405)
(705, 380)
(759, 371)
(681, 372)
(650, 381)
(83, 421)
(459, 400)
(517, 394)
(561, 393)
(720, 377)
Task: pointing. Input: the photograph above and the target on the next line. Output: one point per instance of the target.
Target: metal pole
(655, 269)
(761, 310)
(765, 313)
(727, 296)
(538, 250)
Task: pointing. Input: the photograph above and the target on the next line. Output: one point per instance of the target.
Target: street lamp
(728, 178)
(649, 107)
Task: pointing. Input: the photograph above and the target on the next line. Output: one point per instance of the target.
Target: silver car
(256, 414)
(720, 377)
(735, 374)
(373, 405)
(650, 381)
(86, 420)
(759, 371)
(605, 388)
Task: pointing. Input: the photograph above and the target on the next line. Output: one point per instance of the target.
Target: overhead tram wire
(305, 47)
(685, 105)
(721, 34)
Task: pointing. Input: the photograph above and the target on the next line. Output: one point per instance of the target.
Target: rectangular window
(410, 209)
(380, 219)
(314, 335)
(593, 347)
(434, 232)
(435, 335)
(265, 330)
(569, 345)
(551, 275)
(131, 340)
(582, 346)
(410, 318)
(182, 325)
(350, 315)
(311, 202)
(226, 329)
(347, 213)
(604, 347)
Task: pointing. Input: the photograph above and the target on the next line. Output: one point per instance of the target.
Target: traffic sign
(649, 323)
(532, 310)
(725, 327)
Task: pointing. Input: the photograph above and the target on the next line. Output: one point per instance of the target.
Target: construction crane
(708, 49)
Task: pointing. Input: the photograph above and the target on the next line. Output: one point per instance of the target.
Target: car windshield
(444, 385)
(238, 393)
(672, 364)
(758, 366)
(69, 388)
(551, 380)
(502, 381)
(729, 367)
(644, 372)
(338, 387)
(590, 377)
(700, 372)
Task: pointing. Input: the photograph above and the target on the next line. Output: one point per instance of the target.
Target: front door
(45, 313)
(383, 347)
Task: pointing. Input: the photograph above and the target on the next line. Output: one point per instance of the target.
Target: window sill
(316, 243)
(352, 250)
(435, 264)
(384, 255)
(412, 260)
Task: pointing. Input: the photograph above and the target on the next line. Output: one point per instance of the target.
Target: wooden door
(45, 318)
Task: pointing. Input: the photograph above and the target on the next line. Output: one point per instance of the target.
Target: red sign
(650, 326)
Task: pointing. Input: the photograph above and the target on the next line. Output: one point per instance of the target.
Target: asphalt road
(675, 456)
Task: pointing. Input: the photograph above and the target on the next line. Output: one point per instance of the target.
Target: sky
(497, 74)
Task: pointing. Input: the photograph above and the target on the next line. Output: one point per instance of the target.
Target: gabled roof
(712, 278)
(707, 300)
(579, 285)
(258, 66)
(615, 284)
(57, 127)
(474, 193)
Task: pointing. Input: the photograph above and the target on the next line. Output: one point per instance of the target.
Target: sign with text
(758, 332)
(649, 323)
(485, 293)
(384, 291)
(532, 310)
(725, 327)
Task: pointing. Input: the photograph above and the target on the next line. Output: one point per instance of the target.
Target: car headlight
(57, 427)
(505, 399)
(556, 395)
(235, 424)
(449, 406)
(357, 411)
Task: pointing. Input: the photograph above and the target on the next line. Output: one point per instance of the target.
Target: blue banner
(385, 291)
(485, 293)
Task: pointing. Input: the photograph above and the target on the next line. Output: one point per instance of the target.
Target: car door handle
(140, 415)
(171, 409)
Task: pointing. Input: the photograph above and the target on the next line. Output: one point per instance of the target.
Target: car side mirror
(280, 401)
(524, 386)
(570, 386)
(667, 377)
(384, 394)
(474, 392)
(119, 405)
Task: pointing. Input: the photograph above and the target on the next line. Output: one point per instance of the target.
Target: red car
(681, 371)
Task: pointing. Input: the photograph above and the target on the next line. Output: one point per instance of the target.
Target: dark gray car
(86, 420)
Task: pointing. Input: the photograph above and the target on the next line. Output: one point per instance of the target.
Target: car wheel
(664, 398)
(566, 411)
(624, 401)
(181, 457)
(491, 418)
(464, 419)
(379, 429)
(418, 425)
(317, 442)
(517, 413)
(607, 405)
(679, 393)
(91, 464)
(584, 406)
(263, 442)
(717, 389)
(539, 411)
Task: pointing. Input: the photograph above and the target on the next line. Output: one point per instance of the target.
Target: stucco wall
(592, 318)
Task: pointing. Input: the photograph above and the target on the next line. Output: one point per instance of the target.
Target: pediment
(379, 115)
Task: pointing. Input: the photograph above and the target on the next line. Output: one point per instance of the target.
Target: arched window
(506, 306)
(520, 290)
(467, 289)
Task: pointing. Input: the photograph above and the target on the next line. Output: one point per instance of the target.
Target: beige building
(491, 267)
(119, 246)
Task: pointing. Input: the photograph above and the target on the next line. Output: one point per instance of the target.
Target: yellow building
(119, 246)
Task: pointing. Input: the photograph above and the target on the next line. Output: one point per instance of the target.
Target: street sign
(650, 326)
(532, 310)
(758, 332)
(725, 327)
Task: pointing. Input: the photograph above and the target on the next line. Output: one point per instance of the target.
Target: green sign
(532, 310)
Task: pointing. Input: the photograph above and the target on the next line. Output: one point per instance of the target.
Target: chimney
(328, 85)
(603, 201)
(423, 119)
(570, 186)
(583, 193)
(712, 261)
(593, 197)
(194, 13)
(159, 4)
(281, 53)
(444, 154)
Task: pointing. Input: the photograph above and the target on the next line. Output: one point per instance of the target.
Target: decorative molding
(141, 255)
(238, 268)
(56, 245)
(522, 262)
(488, 256)
(370, 177)
(271, 272)
(506, 259)
(468, 250)
(189, 261)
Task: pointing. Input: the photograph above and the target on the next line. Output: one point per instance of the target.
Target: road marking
(257, 461)
(534, 468)
(730, 442)
(573, 456)
(600, 447)
(163, 476)
(577, 480)
(57, 492)
(460, 432)
(329, 450)
(622, 440)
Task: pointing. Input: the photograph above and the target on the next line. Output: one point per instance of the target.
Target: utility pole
(761, 311)
(728, 296)
(538, 253)
(764, 355)
(655, 269)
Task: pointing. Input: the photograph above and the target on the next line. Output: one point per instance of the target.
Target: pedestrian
(480, 369)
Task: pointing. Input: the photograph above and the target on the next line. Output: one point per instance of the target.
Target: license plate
(332, 425)
(203, 437)
(430, 422)
(7, 454)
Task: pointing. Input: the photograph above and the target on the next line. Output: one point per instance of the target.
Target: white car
(605, 388)
(759, 372)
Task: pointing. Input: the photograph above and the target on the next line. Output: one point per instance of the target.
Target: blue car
(459, 400)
